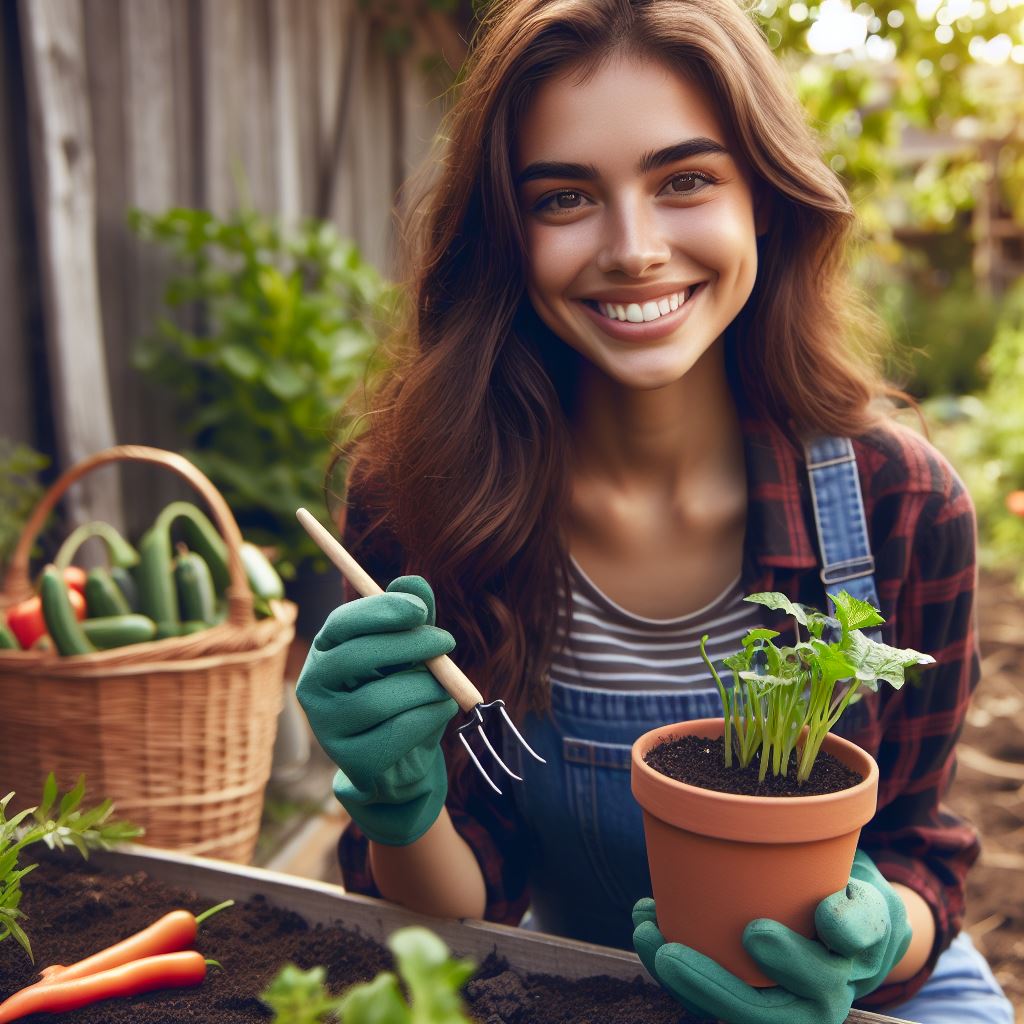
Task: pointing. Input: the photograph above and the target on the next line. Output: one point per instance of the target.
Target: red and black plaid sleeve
(487, 822)
(927, 576)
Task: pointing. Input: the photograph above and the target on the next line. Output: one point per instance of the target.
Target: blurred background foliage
(919, 108)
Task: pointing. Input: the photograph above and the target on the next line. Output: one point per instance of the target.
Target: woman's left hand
(862, 933)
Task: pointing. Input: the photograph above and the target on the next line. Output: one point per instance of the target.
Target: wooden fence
(297, 107)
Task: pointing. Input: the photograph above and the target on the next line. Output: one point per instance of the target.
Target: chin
(651, 377)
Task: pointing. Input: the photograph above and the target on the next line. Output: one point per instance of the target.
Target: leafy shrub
(20, 491)
(286, 326)
(983, 436)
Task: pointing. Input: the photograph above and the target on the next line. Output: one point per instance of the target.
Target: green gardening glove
(862, 932)
(378, 712)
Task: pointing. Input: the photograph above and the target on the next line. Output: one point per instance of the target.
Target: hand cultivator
(447, 673)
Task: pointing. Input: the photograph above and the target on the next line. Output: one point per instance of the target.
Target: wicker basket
(179, 732)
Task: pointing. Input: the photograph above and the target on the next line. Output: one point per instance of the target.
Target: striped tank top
(608, 648)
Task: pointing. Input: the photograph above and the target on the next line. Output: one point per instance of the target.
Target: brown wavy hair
(468, 442)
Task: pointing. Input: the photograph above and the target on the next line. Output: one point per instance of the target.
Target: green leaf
(757, 634)
(432, 978)
(284, 381)
(297, 996)
(73, 798)
(241, 362)
(854, 613)
(49, 794)
(874, 660)
(376, 1002)
(14, 929)
(781, 603)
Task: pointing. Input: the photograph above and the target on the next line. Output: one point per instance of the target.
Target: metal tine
(497, 757)
(511, 725)
(476, 761)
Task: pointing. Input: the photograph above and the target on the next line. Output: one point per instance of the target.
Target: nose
(633, 241)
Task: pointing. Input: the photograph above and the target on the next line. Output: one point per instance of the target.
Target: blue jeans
(591, 865)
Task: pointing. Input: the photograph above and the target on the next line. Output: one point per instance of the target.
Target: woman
(637, 387)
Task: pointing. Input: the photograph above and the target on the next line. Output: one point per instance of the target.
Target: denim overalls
(591, 864)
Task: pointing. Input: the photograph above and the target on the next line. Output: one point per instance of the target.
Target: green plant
(285, 325)
(430, 976)
(779, 692)
(57, 828)
(983, 436)
(20, 491)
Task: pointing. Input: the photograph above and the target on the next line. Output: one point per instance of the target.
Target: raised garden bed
(74, 909)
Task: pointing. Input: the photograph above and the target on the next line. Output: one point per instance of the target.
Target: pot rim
(758, 819)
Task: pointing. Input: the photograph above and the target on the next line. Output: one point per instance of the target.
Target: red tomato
(74, 578)
(1015, 502)
(26, 622)
(77, 603)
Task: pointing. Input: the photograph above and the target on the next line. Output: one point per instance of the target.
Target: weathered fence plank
(289, 105)
(16, 412)
(64, 169)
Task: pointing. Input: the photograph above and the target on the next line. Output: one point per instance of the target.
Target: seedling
(431, 977)
(58, 826)
(778, 692)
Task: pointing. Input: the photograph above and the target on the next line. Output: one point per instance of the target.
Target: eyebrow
(648, 162)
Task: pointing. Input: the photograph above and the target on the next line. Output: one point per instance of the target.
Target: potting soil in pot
(699, 761)
(73, 911)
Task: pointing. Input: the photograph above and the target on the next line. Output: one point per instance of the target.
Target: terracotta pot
(720, 860)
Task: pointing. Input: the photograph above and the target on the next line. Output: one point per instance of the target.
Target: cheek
(724, 240)
(555, 256)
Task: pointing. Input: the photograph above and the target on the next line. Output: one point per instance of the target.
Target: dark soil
(699, 761)
(989, 787)
(73, 911)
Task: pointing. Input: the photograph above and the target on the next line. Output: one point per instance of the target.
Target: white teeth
(638, 313)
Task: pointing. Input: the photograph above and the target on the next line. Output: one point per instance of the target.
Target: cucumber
(103, 597)
(154, 575)
(194, 626)
(201, 536)
(7, 640)
(119, 630)
(196, 598)
(126, 584)
(263, 577)
(119, 551)
(66, 631)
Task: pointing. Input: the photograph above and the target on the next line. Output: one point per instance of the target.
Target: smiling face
(640, 224)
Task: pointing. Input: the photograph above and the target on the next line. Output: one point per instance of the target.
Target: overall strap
(847, 562)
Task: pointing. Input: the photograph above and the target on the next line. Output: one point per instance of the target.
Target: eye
(690, 183)
(565, 200)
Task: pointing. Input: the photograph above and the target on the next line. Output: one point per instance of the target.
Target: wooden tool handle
(445, 671)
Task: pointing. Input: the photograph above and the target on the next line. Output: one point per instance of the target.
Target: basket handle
(17, 581)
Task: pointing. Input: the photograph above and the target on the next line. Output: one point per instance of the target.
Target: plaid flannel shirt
(923, 537)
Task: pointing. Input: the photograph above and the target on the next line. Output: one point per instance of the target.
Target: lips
(643, 311)
(642, 330)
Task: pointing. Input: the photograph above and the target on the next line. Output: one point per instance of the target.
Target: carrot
(169, 970)
(174, 931)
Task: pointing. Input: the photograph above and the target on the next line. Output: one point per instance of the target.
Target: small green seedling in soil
(431, 978)
(777, 692)
(58, 825)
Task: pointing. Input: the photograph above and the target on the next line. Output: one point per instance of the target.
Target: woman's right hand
(378, 712)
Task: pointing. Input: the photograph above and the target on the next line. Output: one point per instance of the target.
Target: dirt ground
(989, 788)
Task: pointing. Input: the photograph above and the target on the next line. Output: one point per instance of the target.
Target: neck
(663, 438)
